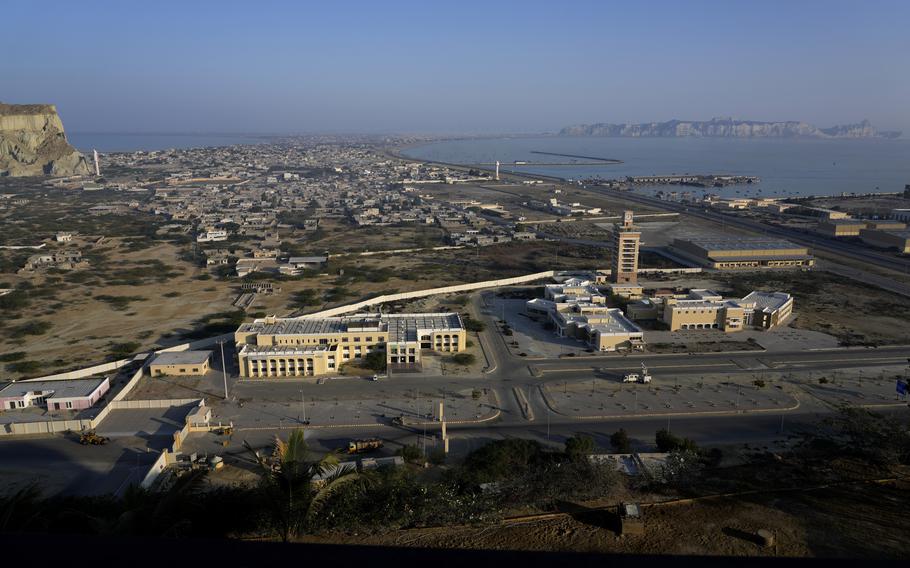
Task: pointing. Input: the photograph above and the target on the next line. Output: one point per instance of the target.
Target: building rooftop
(766, 300)
(741, 243)
(60, 389)
(401, 327)
(181, 358)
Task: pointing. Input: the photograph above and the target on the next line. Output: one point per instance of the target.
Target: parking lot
(600, 397)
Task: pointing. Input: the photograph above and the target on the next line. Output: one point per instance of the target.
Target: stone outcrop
(727, 128)
(32, 143)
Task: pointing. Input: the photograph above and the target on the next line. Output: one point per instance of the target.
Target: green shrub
(14, 356)
(24, 367)
(579, 445)
(463, 359)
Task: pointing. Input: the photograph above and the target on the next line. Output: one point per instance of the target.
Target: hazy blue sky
(454, 67)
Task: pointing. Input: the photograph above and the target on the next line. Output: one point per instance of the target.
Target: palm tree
(289, 478)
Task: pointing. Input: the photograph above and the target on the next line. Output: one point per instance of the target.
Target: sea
(787, 167)
(130, 142)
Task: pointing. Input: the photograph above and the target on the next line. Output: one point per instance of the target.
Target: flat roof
(401, 327)
(615, 323)
(741, 243)
(902, 233)
(72, 388)
(767, 300)
(181, 358)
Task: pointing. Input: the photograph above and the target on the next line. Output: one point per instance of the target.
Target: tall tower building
(625, 251)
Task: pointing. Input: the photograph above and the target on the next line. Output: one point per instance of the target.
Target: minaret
(97, 164)
(497, 170)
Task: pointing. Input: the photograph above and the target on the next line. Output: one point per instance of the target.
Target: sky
(454, 67)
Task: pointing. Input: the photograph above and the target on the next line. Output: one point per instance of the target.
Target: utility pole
(303, 406)
(224, 369)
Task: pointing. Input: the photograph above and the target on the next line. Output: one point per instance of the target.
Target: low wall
(49, 427)
(155, 403)
(431, 292)
(207, 342)
(87, 372)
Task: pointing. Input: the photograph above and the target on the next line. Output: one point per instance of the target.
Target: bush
(411, 453)
(471, 324)
(620, 441)
(463, 359)
(24, 367)
(31, 328)
(120, 350)
(501, 459)
(667, 442)
(579, 446)
(14, 356)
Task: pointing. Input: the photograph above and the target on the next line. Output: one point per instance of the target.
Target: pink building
(75, 394)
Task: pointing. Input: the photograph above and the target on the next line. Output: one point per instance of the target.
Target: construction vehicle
(90, 438)
(643, 377)
(362, 446)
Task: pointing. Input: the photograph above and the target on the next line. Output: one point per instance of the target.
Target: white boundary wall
(431, 292)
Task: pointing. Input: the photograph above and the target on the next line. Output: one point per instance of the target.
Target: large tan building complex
(294, 347)
(743, 253)
(626, 241)
(703, 309)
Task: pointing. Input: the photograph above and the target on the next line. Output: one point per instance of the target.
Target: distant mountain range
(727, 128)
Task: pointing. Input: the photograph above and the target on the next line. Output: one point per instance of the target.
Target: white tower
(497, 170)
(97, 164)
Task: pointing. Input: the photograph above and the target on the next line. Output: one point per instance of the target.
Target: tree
(411, 453)
(287, 483)
(474, 325)
(375, 361)
(620, 441)
(579, 445)
(667, 442)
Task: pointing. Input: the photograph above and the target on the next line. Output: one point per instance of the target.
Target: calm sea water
(786, 166)
(107, 142)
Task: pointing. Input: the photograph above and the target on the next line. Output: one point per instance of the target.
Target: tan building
(703, 309)
(853, 227)
(841, 228)
(743, 253)
(626, 240)
(899, 240)
(180, 363)
(578, 310)
(292, 347)
(603, 328)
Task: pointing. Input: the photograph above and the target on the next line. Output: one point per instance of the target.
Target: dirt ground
(848, 521)
(86, 321)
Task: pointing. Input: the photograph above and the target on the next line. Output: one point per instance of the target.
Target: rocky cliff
(32, 143)
(727, 128)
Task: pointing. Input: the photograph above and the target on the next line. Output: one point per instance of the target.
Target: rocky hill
(32, 143)
(727, 128)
